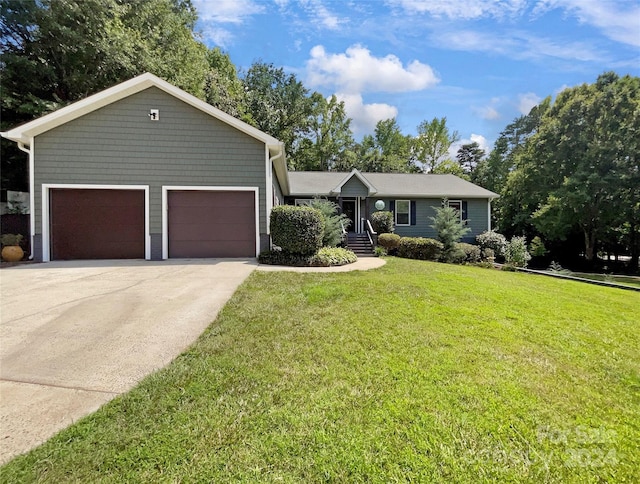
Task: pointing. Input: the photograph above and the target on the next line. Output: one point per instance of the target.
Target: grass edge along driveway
(415, 372)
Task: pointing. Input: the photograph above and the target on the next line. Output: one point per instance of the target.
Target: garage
(97, 223)
(211, 223)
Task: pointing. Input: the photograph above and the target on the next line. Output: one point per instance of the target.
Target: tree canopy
(577, 173)
(433, 142)
(567, 172)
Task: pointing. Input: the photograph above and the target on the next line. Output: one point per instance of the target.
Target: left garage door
(97, 224)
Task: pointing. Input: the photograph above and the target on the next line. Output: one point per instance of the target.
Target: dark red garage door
(97, 224)
(211, 224)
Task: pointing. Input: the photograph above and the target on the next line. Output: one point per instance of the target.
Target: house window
(403, 212)
(303, 202)
(457, 205)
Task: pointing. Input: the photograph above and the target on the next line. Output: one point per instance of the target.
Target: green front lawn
(418, 372)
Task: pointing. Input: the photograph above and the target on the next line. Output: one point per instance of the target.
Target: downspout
(489, 214)
(32, 197)
(270, 202)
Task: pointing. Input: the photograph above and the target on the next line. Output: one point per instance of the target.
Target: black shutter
(392, 206)
(464, 211)
(413, 212)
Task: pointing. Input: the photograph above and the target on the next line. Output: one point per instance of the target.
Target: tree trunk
(634, 243)
(589, 244)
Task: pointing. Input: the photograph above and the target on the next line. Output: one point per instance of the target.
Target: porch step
(360, 245)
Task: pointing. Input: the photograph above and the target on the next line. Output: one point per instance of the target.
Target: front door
(349, 209)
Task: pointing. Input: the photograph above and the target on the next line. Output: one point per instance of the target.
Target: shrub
(450, 230)
(279, 257)
(488, 255)
(471, 252)
(419, 248)
(484, 265)
(455, 256)
(382, 222)
(492, 240)
(389, 241)
(333, 221)
(537, 248)
(297, 230)
(380, 251)
(333, 256)
(516, 253)
(10, 239)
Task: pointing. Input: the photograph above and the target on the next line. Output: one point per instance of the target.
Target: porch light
(380, 204)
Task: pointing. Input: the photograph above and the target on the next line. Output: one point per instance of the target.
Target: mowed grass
(416, 372)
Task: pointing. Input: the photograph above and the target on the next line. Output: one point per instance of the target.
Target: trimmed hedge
(389, 241)
(420, 248)
(280, 258)
(297, 230)
(326, 257)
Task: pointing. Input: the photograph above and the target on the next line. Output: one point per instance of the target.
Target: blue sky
(480, 63)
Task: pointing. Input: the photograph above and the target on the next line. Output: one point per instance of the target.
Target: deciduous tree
(278, 103)
(433, 142)
(329, 142)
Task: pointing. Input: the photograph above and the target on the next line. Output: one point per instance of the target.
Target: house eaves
(24, 133)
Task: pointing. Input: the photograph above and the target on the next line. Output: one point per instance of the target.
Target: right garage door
(205, 223)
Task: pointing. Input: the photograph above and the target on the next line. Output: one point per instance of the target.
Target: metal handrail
(369, 230)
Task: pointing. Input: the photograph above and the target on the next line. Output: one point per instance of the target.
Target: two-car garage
(112, 222)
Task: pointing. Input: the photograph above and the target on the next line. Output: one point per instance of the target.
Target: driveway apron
(73, 335)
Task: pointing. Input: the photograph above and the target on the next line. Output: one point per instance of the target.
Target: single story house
(411, 197)
(145, 170)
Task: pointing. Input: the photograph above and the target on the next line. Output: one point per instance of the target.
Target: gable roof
(24, 133)
(406, 185)
(360, 177)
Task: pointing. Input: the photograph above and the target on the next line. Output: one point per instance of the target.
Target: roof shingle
(310, 183)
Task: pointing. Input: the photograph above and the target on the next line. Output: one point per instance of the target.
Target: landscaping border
(579, 279)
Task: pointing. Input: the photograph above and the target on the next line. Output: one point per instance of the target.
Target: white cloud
(482, 141)
(477, 138)
(358, 71)
(518, 45)
(620, 21)
(527, 101)
(464, 9)
(227, 11)
(219, 36)
(489, 113)
(215, 13)
(365, 116)
(326, 18)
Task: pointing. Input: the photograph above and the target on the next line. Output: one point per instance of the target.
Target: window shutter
(392, 206)
(413, 212)
(464, 210)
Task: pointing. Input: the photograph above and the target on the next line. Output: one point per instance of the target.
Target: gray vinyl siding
(476, 218)
(119, 145)
(277, 191)
(354, 188)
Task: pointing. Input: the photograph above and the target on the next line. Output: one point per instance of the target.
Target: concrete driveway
(73, 335)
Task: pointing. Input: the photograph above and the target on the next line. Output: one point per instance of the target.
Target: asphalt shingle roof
(310, 183)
